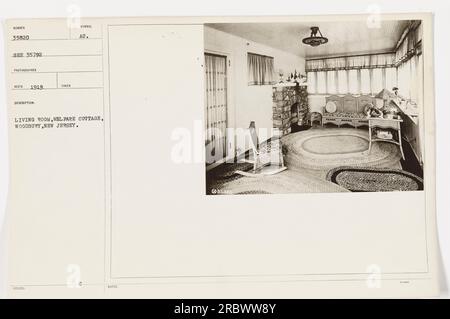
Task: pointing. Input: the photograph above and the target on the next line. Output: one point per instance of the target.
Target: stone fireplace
(290, 106)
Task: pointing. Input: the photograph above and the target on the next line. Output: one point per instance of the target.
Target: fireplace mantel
(290, 105)
(290, 84)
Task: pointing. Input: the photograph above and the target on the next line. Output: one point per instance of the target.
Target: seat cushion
(345, 115)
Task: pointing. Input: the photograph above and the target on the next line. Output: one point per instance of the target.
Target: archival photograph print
(316, 107)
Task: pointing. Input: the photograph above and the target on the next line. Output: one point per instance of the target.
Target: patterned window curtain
(260, 69)
(315, 65)
(407, 49)
(359, 62)
(407, 61)
(352, 62)
(366, 81)
(336, 63)
(367, 74)
(382, 60)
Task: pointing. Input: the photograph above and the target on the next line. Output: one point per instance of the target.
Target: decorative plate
(330, 107)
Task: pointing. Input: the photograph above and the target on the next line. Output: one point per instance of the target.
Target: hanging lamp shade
(316, 38)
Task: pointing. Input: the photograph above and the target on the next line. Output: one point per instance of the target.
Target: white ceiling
(344, 37)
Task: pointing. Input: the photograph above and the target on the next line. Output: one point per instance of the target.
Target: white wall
(249, 103)
(316, 102)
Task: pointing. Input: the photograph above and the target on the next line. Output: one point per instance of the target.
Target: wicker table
(393, 125)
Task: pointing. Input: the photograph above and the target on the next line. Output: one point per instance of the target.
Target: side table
(386, 123)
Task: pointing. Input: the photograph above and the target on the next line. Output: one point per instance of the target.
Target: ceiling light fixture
(315, 40)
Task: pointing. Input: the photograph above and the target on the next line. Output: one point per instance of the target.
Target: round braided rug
(321, 149)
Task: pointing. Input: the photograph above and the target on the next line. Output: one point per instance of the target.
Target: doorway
(216, 102)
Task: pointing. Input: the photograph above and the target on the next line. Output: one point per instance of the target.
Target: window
(321, 82)
(404, 79)
(376, 81)
(342, 82)
(312, 83)
(359, 74)
(365, 81)
(362, 81)
(353, 83)
(260, 69)
(413, 87)
(391, 78)
(331, 82)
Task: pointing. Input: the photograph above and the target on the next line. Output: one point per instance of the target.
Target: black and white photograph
(267, 153)
(314, 107)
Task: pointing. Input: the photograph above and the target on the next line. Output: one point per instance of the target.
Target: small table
(387, 123)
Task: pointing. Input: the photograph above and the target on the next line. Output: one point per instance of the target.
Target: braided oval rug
(367, 179)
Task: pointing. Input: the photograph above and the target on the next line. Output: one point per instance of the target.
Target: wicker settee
(350, 109)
